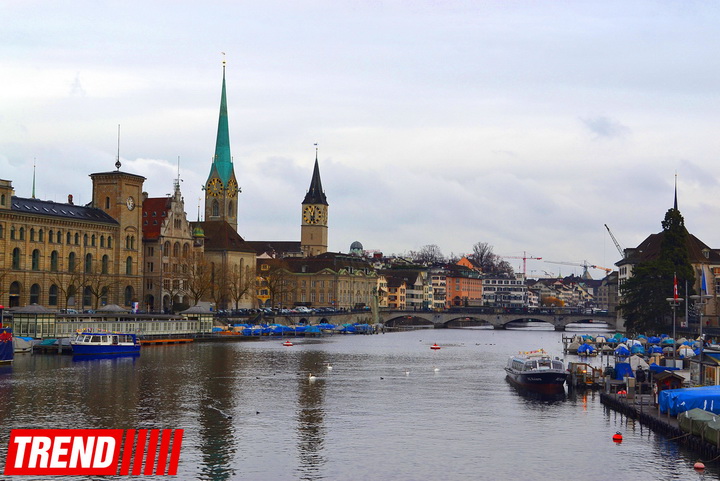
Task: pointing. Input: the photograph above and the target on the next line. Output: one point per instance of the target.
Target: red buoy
(617, 437)
(699, 466)
(435, 346)
(287, 343)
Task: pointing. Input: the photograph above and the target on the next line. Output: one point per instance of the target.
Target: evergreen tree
(645, 306)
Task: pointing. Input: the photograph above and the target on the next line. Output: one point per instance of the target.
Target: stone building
(63, 255)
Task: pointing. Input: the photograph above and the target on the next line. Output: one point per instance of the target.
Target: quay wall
(668, 427)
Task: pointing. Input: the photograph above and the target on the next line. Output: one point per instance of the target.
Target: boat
(104, 343)
(537, 372)
(6, 345)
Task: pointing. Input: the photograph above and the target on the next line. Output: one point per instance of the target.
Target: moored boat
(536, 371)
(105, 343)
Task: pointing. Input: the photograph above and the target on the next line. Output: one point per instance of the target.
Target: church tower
(314, 229)
(221, 187)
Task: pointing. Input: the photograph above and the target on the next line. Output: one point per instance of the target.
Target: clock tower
(221, 187)
(314, 227)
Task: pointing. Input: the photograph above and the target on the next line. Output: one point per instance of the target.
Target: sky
(527, 125)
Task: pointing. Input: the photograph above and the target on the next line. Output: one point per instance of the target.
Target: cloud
(605, 128)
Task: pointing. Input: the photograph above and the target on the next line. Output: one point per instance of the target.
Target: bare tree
(199, 276)
(429, 254)
(279, 282)
(241, 281)
(488, 261)
(99, 285)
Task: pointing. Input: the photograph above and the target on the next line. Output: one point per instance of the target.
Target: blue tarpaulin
(680, 400)
(6, 345)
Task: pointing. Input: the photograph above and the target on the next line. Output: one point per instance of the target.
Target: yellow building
(63, 255)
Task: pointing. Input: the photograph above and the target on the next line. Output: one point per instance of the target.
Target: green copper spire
(222, 162)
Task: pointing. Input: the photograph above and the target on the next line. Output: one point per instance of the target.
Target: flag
(675, 293)
(703, 284)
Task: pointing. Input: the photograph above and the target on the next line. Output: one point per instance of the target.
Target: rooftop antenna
(199, 200)
(117, 162)
(176, 182)
(33, 188)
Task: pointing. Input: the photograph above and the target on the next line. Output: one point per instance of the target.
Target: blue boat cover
(680, 400)
(655, 368)
(622, 370)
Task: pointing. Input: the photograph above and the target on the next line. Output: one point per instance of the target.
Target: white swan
(311, 377)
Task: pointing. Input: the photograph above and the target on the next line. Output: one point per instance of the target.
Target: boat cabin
(535, 364)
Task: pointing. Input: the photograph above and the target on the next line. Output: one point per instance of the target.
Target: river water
(390, 408)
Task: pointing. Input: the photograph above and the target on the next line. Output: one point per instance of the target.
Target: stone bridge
(467, 317)
(497, 318)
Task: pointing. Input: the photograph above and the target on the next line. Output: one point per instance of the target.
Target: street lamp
(674, 302)
(701, 302)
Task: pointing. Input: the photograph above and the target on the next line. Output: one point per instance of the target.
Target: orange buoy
(435, 346)
(622, 393)
(699, 466)
(617, 437)
(287, 343)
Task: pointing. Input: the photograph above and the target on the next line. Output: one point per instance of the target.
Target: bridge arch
(409, 321)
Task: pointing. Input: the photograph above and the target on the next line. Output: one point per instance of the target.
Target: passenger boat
(104, 343)
(536, 371)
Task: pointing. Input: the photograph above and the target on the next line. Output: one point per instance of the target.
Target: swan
(311, 377)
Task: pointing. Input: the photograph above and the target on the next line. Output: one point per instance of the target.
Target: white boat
(105, 343)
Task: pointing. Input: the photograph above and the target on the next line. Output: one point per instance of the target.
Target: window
(77, 239)
(128, 295)
(16, 258)
(2, 199)
(92, 240)
(102, 241)
(1, 231)
(53, 295)
(32, 235)
(88, 263)
(22, 233)
(12, 233)
(51, 237)
(104, 264)
(41, 236)
(85, 240)
(176, 249)
(35, 294)
(128, 266)
(59, 237)
(107, 202)
(36, 260)
(109, 242)
(71, 262)
(215, 208)
(68, 239)
(186, 250)
(53, 261)
(87, 296)
(104, 296)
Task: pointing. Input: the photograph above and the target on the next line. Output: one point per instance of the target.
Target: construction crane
(617, 244)
(524, 257)
(585, 265)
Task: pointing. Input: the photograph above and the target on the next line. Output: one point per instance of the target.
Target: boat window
(95, 339)
(86, 339)
(114, 339)
(557, 365)
(544, 364)
(530, 365)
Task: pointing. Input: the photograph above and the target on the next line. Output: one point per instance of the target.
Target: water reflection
(311, 414)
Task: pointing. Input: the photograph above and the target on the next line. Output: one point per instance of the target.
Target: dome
(356, 248)
(198, 232)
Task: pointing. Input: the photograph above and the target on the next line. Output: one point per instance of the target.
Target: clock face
(320, 214)
(232, 188)
(130, 202)
(309, 215)
(215, 187)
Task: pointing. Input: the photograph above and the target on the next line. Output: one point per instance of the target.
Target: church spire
(222, 160)
(315, 195)
(675, 204)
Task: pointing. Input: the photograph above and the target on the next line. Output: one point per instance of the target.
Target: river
(390, 408)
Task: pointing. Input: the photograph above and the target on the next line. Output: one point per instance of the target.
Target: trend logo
(93, 452)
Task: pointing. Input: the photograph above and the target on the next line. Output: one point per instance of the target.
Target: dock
(643, 408)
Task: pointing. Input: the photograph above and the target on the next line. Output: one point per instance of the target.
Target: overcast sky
(526, 125)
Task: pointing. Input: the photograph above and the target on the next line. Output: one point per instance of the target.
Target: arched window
(53, 295)
(105, 264)
(16, 258)
(59, 237)
(88, 263)
(230, 209)
(2, 199)
(87, 296)
(215, 208)
(128, 266)
(68, 239)
(32, 235)
(12, 233)
(36, 260)
(92, 240)
(15, 294)
(186, 250)
(176, 249)
(41, 236)
(71, 262)
(54, 261)
(85, 240)
(77, 239)
(51, 236)
(166, 248)
(102, 241)
(1, 231)
(128, 295)
(71, 295)
(35, 294)
(22, 233)
(109, 242)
